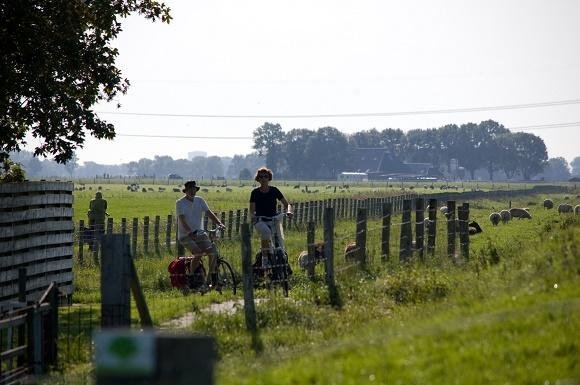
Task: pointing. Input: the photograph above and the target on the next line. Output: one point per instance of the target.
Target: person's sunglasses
(263, 176)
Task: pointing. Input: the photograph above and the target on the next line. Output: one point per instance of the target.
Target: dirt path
(229, 307)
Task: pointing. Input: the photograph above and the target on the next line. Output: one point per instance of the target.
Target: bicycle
(278, 267)
(187, 280)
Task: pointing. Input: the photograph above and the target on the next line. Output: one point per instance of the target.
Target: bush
(12, 172)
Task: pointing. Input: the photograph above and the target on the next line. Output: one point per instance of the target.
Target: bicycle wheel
(225, 276)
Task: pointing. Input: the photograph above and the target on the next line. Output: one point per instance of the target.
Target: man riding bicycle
(190, 209)
(263, 202)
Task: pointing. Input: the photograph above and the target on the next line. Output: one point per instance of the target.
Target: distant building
(379, 164)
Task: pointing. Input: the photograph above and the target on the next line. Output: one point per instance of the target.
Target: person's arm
(214, 218)
(287, 207)
(252, 212)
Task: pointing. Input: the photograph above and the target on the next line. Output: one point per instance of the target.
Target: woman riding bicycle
(190, 209)
(263, 202)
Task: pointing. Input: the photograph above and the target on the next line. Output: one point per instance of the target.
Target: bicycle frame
(275, 225)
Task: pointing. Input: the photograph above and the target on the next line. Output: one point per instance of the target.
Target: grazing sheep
(505, 216)
(176, 190)
(520, 213)
(318, 256)
(474, 228)
(350, 251)
(577, 210)
(548, 204)
(229, 189)
(565, 208)
(204, 190)
(494, 218)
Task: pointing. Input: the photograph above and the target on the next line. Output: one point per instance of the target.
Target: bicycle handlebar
(276, 217)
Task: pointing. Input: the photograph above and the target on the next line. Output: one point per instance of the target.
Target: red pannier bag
(176, 271)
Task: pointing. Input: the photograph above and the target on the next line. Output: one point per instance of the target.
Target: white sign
(123, 352)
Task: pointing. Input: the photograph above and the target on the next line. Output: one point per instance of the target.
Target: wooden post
(230, 223)
(123, 225)
(146, 235)
(115, 281)
(406, 233)
(135, 231)
(82, 232)
(109, 227)
(144, 315)
(156, 226)
(168, 226)
(463, 214)
(386, 233)
(451, 229)
(238, 217)
(310, 237)
(432, 226)
(249, 307)
(22, 284)
(361, 234)
(419, 226)
(329, 256)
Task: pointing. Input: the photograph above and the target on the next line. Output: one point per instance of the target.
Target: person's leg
(266, 245)
(204, 243)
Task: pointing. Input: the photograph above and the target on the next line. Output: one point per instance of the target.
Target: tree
(268, 141)
(294, 147)
(530, 154)
(557, 169)
(575, 164)
(56, 62)
(327, 153)
(487, 146)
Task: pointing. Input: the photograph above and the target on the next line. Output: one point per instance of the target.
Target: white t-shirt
(193, 213)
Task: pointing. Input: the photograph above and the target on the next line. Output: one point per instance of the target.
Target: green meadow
(508, 314)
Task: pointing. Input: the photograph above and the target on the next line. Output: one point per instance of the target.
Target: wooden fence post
(115, 281)
(109, 227)
(168, 226)
(238, 217)
(386, 233)
(329, 256)
(249, 307)
(361, 234)
(156, 226)
(230, 223)
(146, 235)
(310, 236)
(451, 229)
(463, 214)
(135, 231)
(419, 226)
(432, 226)
(123, 225)
(406, 233)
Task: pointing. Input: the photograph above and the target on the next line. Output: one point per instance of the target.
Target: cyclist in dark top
(263, 202)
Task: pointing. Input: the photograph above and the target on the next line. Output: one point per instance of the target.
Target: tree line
(486, 147)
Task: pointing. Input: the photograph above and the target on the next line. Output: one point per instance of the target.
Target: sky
(375, 64)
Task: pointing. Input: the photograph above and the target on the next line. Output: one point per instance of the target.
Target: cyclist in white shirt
(190, 210)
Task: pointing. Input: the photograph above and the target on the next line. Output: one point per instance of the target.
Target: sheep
(176, 190)
(318, 256)
(548, 204)
(494, 218)
(229, 189)
(577, 210)
(505, 216)
(204, 190)
(520, 213)
(565, 208)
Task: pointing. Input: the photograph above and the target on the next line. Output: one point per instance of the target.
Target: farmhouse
(380, 164)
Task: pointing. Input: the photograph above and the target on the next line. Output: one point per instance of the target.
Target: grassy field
(510, 314)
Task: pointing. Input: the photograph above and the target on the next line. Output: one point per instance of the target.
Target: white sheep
(565, 208)
(494, 218)
(505, 216)
(548, 204)
(577, 210)
(516, 212)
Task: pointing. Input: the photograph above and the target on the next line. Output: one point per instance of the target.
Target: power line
(522, 128)
(354, 115)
